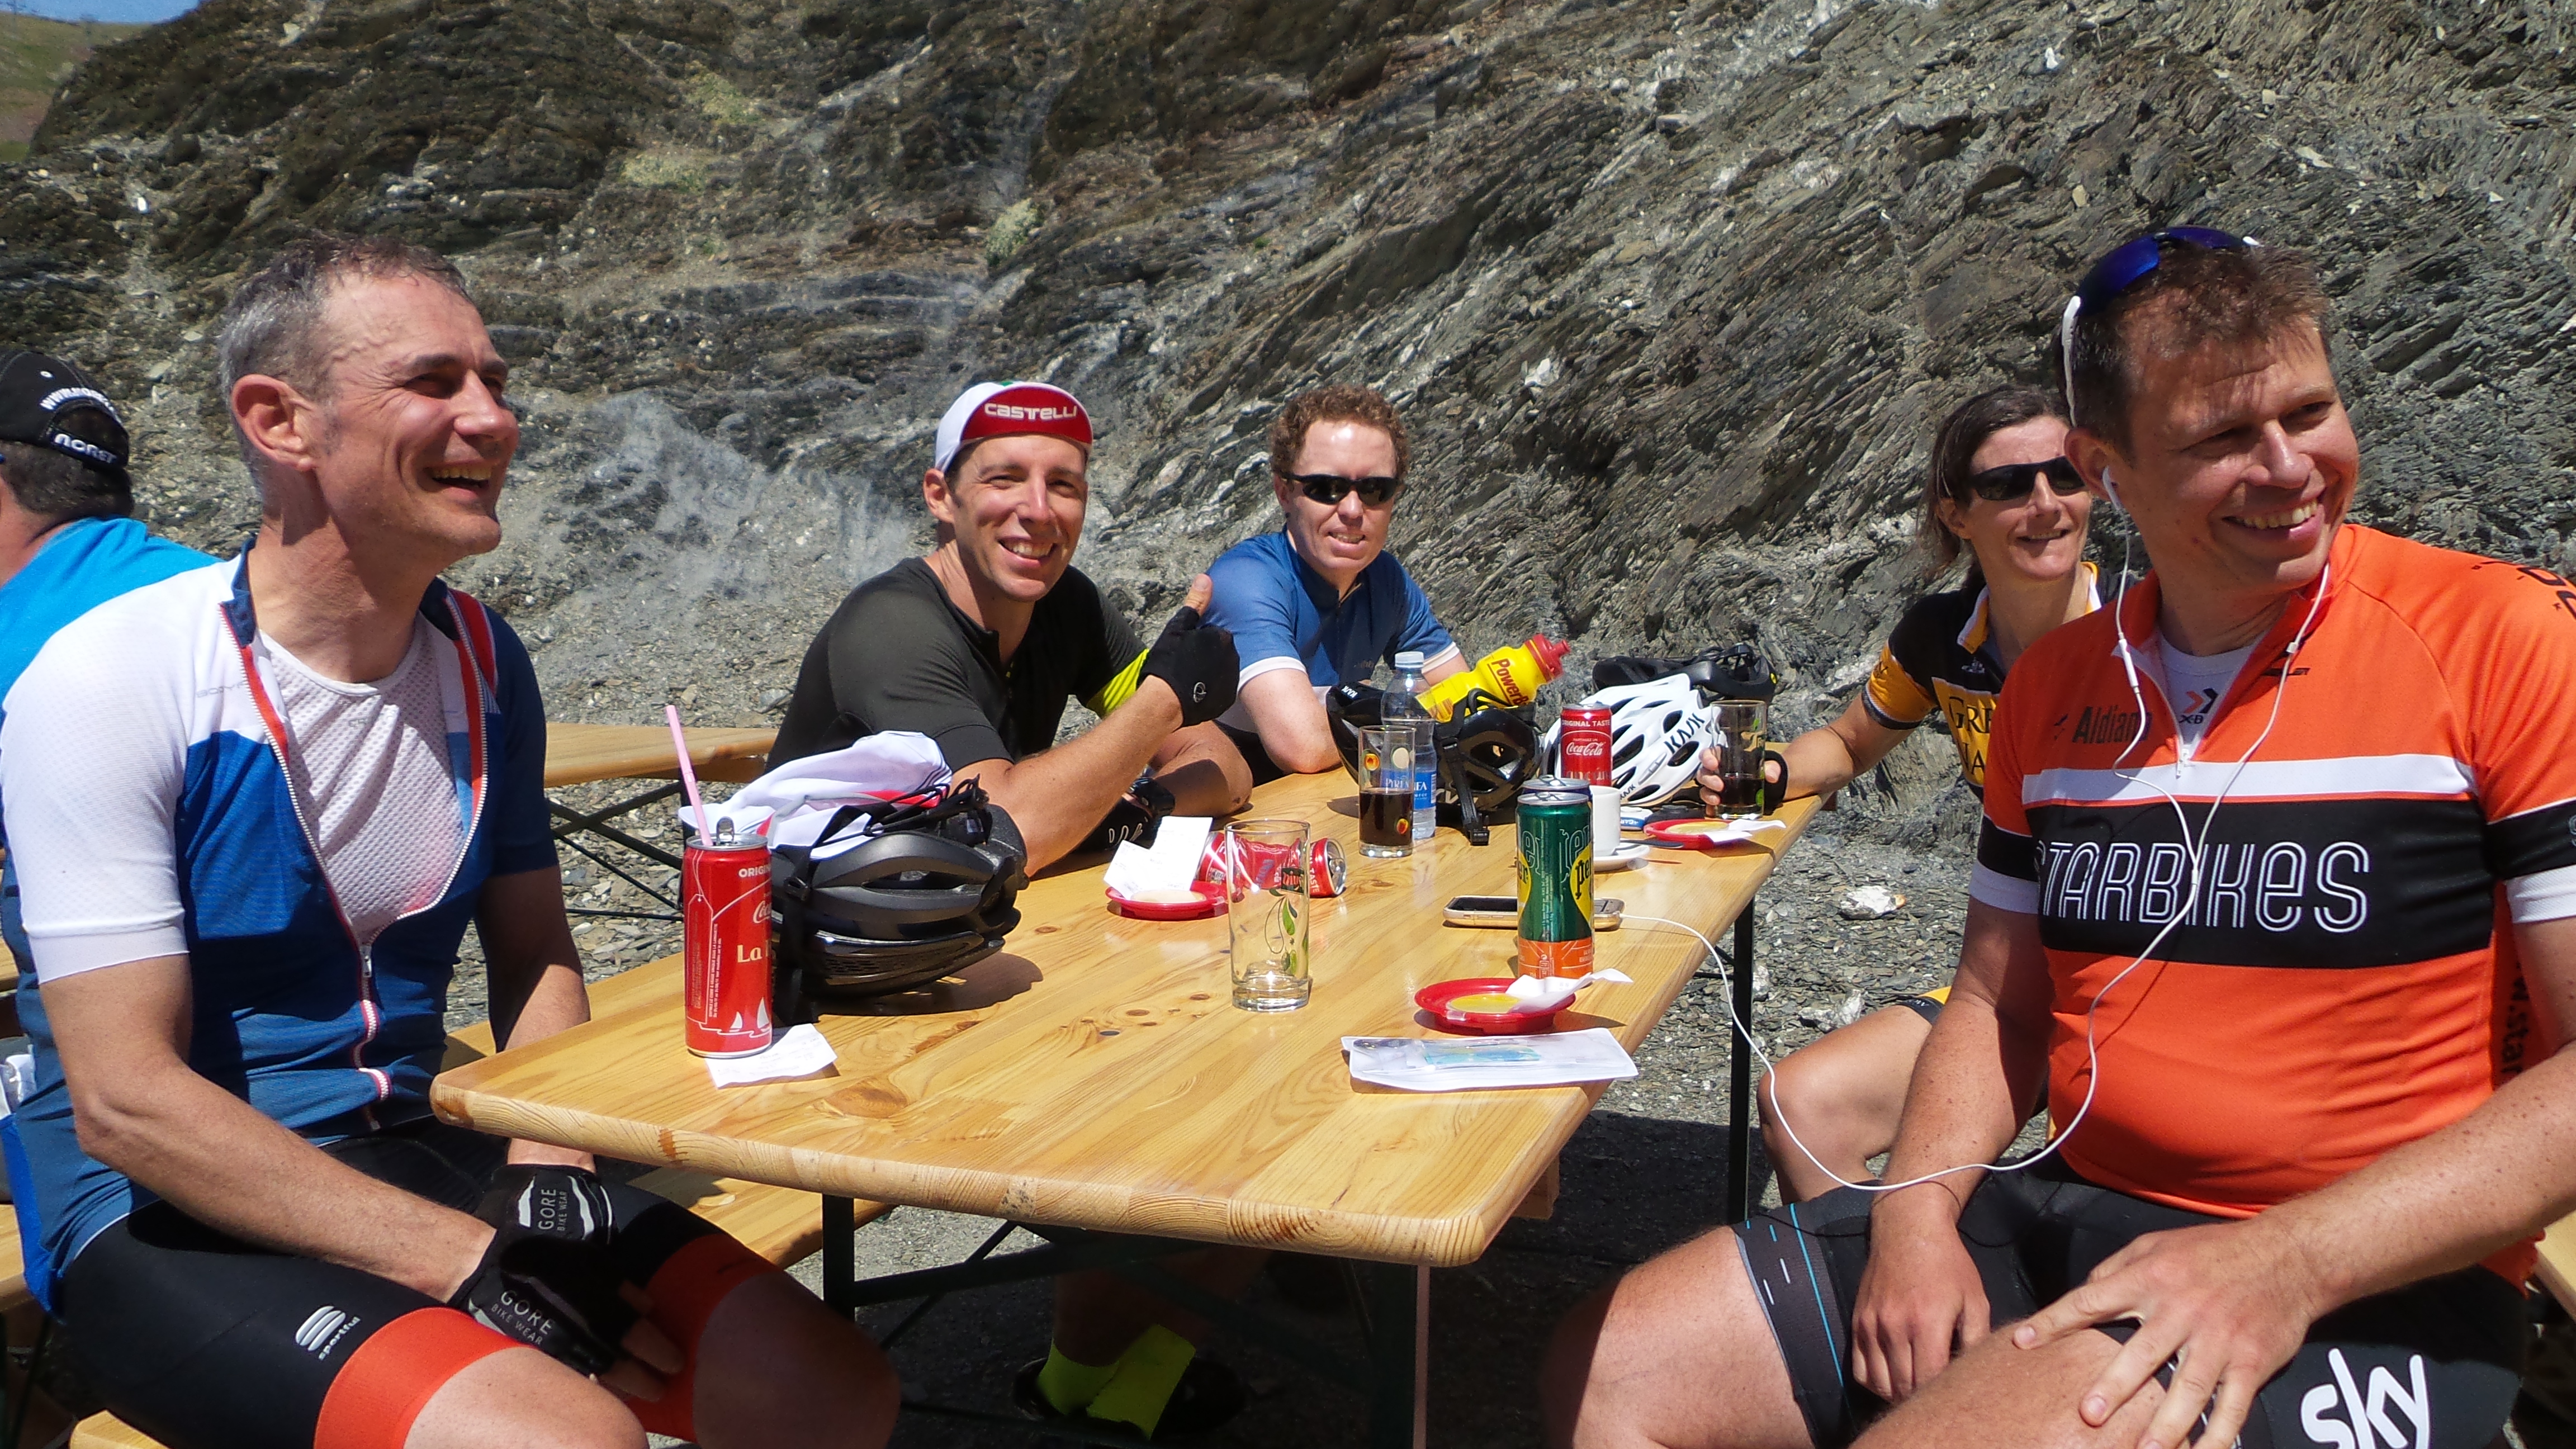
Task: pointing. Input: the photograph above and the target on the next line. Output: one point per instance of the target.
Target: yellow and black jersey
(1939, 657)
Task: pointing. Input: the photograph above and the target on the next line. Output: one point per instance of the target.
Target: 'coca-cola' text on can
(724, 934)
(1331, 870)
(1583, 744)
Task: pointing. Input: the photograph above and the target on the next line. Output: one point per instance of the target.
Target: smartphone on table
(1505, 913)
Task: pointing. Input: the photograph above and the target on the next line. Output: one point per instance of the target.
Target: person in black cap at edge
(68, 542)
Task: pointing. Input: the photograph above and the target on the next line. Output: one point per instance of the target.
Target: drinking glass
(1266, 898)
(1740, 732)
(1386, 792)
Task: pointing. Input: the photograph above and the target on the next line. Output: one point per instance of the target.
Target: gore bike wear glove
(552, 1294)
(1135, 817)
(549, 1201)
(1198, 661)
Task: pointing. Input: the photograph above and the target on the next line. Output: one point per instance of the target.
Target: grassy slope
(35, 56)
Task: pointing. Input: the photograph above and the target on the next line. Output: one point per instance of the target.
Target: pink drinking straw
(688, 776)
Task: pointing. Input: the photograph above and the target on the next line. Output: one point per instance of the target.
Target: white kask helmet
(1657, 730)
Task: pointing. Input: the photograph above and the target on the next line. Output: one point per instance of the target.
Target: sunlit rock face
(1671, 296)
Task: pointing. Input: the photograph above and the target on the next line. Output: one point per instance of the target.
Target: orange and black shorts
(207, 1342)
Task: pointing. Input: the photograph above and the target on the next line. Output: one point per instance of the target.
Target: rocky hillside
(1671, 293)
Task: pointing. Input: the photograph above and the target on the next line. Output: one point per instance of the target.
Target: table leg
(1739, 1076)
(840, 1254)
(1398, 1321)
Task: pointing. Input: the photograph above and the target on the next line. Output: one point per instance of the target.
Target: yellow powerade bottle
(1511, 674)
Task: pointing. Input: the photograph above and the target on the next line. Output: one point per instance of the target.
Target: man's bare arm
(122, 1036)
(1291, 721)
(1057, 796)
(1204, 771)
(2236, 1299)
(1974, 1083)
(535, 975)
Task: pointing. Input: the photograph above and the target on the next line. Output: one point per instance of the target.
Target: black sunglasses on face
(1329, 489)
(2013, 481)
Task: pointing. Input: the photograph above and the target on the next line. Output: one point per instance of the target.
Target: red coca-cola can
(724, 934)
(1328, 870)
(1583, 744)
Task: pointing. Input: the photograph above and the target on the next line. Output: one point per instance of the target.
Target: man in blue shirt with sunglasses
(1321, 602)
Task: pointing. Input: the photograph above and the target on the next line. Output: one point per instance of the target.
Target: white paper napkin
(1170, 865)
(799, 1051)
(1547, 993)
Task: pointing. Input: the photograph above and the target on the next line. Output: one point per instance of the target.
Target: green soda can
(1556, 878)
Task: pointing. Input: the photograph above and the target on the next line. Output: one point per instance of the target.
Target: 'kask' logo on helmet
(1026, 413)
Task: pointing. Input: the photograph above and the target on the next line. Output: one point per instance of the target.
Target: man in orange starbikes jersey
(2277, 895)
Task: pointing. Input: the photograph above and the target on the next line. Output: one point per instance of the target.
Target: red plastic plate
(1436, 999)
(1210, 902)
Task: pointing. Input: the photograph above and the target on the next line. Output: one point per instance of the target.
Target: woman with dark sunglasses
(2000, 490)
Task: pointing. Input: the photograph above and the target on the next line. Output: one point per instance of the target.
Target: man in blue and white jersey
(1321, 602)
(255, 805)
(67, 542)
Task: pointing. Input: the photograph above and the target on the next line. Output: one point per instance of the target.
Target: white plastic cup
(1605, 823)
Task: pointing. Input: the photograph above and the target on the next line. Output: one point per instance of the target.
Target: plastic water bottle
(1402, 707)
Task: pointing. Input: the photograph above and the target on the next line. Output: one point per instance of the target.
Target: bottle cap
(1408, 659)
(1550, 654)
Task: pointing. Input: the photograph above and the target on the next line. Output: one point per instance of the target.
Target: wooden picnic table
(1094, 1076)
(577, 754)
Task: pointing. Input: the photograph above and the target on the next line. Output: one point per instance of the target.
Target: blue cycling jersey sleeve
(1256, 596)
(1421, 631)
(522, 835)
(85, 564)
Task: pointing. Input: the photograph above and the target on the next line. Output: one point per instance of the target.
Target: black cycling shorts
(2435, 1363)
(206, 1342)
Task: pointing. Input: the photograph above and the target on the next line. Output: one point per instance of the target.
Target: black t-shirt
(898, 655)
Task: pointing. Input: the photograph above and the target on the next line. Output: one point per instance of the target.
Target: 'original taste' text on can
(1556, 878)
(1583, 743)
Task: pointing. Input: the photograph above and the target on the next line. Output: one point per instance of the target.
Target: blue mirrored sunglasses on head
(2123, 267)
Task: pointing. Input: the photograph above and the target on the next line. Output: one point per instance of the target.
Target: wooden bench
(781, 1224)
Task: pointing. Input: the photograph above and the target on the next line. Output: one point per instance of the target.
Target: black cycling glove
(1135, 817)
(549, 1201)
(1198, 661)
(553, 1294)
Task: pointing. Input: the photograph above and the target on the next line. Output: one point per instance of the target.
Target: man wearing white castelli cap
(980, 644)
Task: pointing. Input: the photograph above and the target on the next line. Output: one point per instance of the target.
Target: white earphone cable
(2197, 842)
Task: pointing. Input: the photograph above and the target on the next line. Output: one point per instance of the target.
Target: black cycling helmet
(1737, 671)
(929, 892)
(1349, 709)
(1487, 752)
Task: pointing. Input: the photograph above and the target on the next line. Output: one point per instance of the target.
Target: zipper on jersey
(370, 1011)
